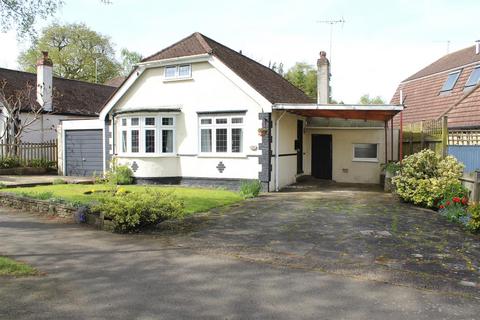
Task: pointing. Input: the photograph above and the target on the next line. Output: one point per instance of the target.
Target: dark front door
(322, 156)
(299, 146)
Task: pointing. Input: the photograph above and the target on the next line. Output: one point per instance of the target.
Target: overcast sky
(380, 44)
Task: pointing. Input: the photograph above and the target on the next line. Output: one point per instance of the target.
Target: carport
(380, 114)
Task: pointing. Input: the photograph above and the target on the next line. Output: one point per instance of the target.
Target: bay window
(149, 135)
(221, 134)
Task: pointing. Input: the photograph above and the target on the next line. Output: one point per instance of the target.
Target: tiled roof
(70, 97)
(448, 62)
(267, 82)
(423, 100)
(115, 82)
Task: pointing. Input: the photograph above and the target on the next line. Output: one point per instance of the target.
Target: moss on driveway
(195, 199)
(9, 267)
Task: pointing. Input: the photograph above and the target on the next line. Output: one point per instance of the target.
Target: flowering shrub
(132, 211)
(473, 221)
(454, 209)
(425, 178)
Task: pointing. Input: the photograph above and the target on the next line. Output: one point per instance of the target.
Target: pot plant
(391, 170)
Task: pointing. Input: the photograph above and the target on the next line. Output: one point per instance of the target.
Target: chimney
(477, 47)
(44, 82)
(323, 79)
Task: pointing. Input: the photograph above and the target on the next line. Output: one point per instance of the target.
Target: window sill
(145, 155)
(365, 160)
(178, 79)
(220, 155)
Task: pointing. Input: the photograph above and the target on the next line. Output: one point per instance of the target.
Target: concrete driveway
(264, 259)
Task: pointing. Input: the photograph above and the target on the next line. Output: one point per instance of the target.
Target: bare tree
(13, 103)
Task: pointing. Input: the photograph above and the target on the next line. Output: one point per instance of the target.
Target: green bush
(59, 181)
(425, 178)
(250, 189)
(132, 211)
(9, 162)
(40, 163)
(120, 175)
(474, 214)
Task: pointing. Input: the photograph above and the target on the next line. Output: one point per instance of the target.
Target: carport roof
(381, 112)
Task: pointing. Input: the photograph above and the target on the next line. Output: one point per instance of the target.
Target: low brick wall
(37, 206)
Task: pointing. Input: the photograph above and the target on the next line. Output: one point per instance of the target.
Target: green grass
(9, 267)
(195, 199)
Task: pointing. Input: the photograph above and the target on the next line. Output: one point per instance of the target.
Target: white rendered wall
(208, 90)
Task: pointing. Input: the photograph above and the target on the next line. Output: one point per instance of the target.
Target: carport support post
(277, 151)
(391, 139)
(386, 137)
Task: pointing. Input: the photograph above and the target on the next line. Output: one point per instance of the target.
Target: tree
(129, 58)
(13, 103)
(77, 53)
(365, 99)
(304, 77)
(21, 15)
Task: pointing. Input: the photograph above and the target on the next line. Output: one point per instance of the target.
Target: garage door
(83, 152)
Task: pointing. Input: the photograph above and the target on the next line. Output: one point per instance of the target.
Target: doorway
(322, 156)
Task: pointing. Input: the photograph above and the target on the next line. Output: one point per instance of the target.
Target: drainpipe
(277, 153)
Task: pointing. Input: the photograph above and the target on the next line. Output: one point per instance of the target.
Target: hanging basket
(262, 132)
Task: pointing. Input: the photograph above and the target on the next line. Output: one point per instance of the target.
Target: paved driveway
(282, 256)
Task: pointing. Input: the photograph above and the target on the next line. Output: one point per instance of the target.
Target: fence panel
(429, 134)
(465, 146)
(26, 152)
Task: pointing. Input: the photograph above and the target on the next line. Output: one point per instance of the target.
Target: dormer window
(183, 71)
(474, 78)
(451, 80)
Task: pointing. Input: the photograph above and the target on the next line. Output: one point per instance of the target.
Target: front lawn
(9, 267)
(195, 199)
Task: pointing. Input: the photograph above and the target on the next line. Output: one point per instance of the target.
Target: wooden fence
(25, 152)
(431, 134)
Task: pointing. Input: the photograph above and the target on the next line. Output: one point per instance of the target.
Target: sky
(380, 44)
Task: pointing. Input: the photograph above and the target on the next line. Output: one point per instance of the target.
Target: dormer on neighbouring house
(448, 86)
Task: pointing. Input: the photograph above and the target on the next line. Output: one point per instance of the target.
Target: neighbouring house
(448, 86)
(57, 98)
(198, 112)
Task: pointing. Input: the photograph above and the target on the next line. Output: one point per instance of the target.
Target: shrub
(250, 189)
(39, 163)
(132, 211)
(473, 223)
(120, 175)
(9, 162)
(392, 167)
(59, 181)
(425, 178)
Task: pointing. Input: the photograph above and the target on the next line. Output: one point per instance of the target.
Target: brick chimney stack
(323, 79)
(45, 82)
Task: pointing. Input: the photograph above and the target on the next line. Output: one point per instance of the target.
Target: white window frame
(142, 127)
(470, 76)
(177, 72)
(364, 159)
(229, 126)
(457, 73)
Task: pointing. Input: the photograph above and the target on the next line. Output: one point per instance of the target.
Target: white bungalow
(200, 113)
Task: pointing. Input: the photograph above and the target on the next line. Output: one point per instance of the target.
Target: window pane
(135, 140)
(450, 82)
(134, 122)
(167, 121)
(170, 72)
(150, 121)
(221, 136)
(221, 121)
(167, 141)
(149, 141)
(474, 77)
(124, 140)
(365, 151)
(237, 120)
(206, 140)
(124, 122)
(184, 71)
(206, 121)
(237, 140)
